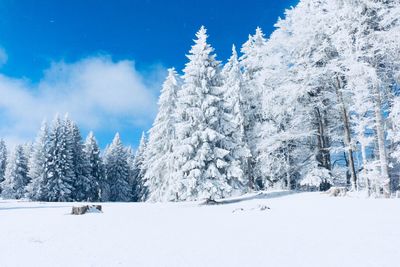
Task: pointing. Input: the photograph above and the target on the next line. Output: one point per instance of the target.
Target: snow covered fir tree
(16, 176)
(3, 159)
(314, 105)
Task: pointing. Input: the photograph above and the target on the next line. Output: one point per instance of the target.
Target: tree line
(60, 166)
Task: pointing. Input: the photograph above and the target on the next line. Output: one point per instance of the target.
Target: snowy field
(299, 229)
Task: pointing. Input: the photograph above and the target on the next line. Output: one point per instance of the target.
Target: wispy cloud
(97, 92)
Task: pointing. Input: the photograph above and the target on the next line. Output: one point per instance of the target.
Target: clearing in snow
(269, 229)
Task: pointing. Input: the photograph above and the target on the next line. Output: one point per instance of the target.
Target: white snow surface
(299, 229)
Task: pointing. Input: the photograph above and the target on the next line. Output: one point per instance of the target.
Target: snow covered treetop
(234, 56)
(171, 78)
(117, 140)
(201, 43)
(202, 34)
(201, 54)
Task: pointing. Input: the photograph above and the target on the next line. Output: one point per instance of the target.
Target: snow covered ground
(300, 229)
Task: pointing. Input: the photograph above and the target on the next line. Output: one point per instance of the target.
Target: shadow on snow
(260, 195)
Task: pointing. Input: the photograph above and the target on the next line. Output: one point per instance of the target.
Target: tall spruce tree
(95, 168)
(158, 157)
(232, 125)
(201, 165)
(38, 165)
(59, 163)
(252, 62)
(84, 184)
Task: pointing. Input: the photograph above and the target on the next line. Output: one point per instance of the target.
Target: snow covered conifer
(59, 163)
(117, 171)
(158, 157)
(233, 125)
(139, 167)
(253, 51)
(28, 149)
(252, 62)
(95, 167)
(3, 159)
(84, 185)
(37, 164)
(16, 177)
(132, 172)
(201, 165)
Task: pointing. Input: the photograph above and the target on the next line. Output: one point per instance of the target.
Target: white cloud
(97, 92)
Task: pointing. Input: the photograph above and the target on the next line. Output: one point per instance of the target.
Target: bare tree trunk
(347, 133)
(323, 156)
(380, 136)
(251, 182)
(364, 161)
(288, 178)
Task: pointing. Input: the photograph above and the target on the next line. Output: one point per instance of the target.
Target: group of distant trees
(315, 105)
(59, 166)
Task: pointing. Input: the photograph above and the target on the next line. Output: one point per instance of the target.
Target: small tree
(139, 171)
(117, 171)
(16, 177)
(3, 160)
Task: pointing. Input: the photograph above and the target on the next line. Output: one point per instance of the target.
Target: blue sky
(57, 56)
